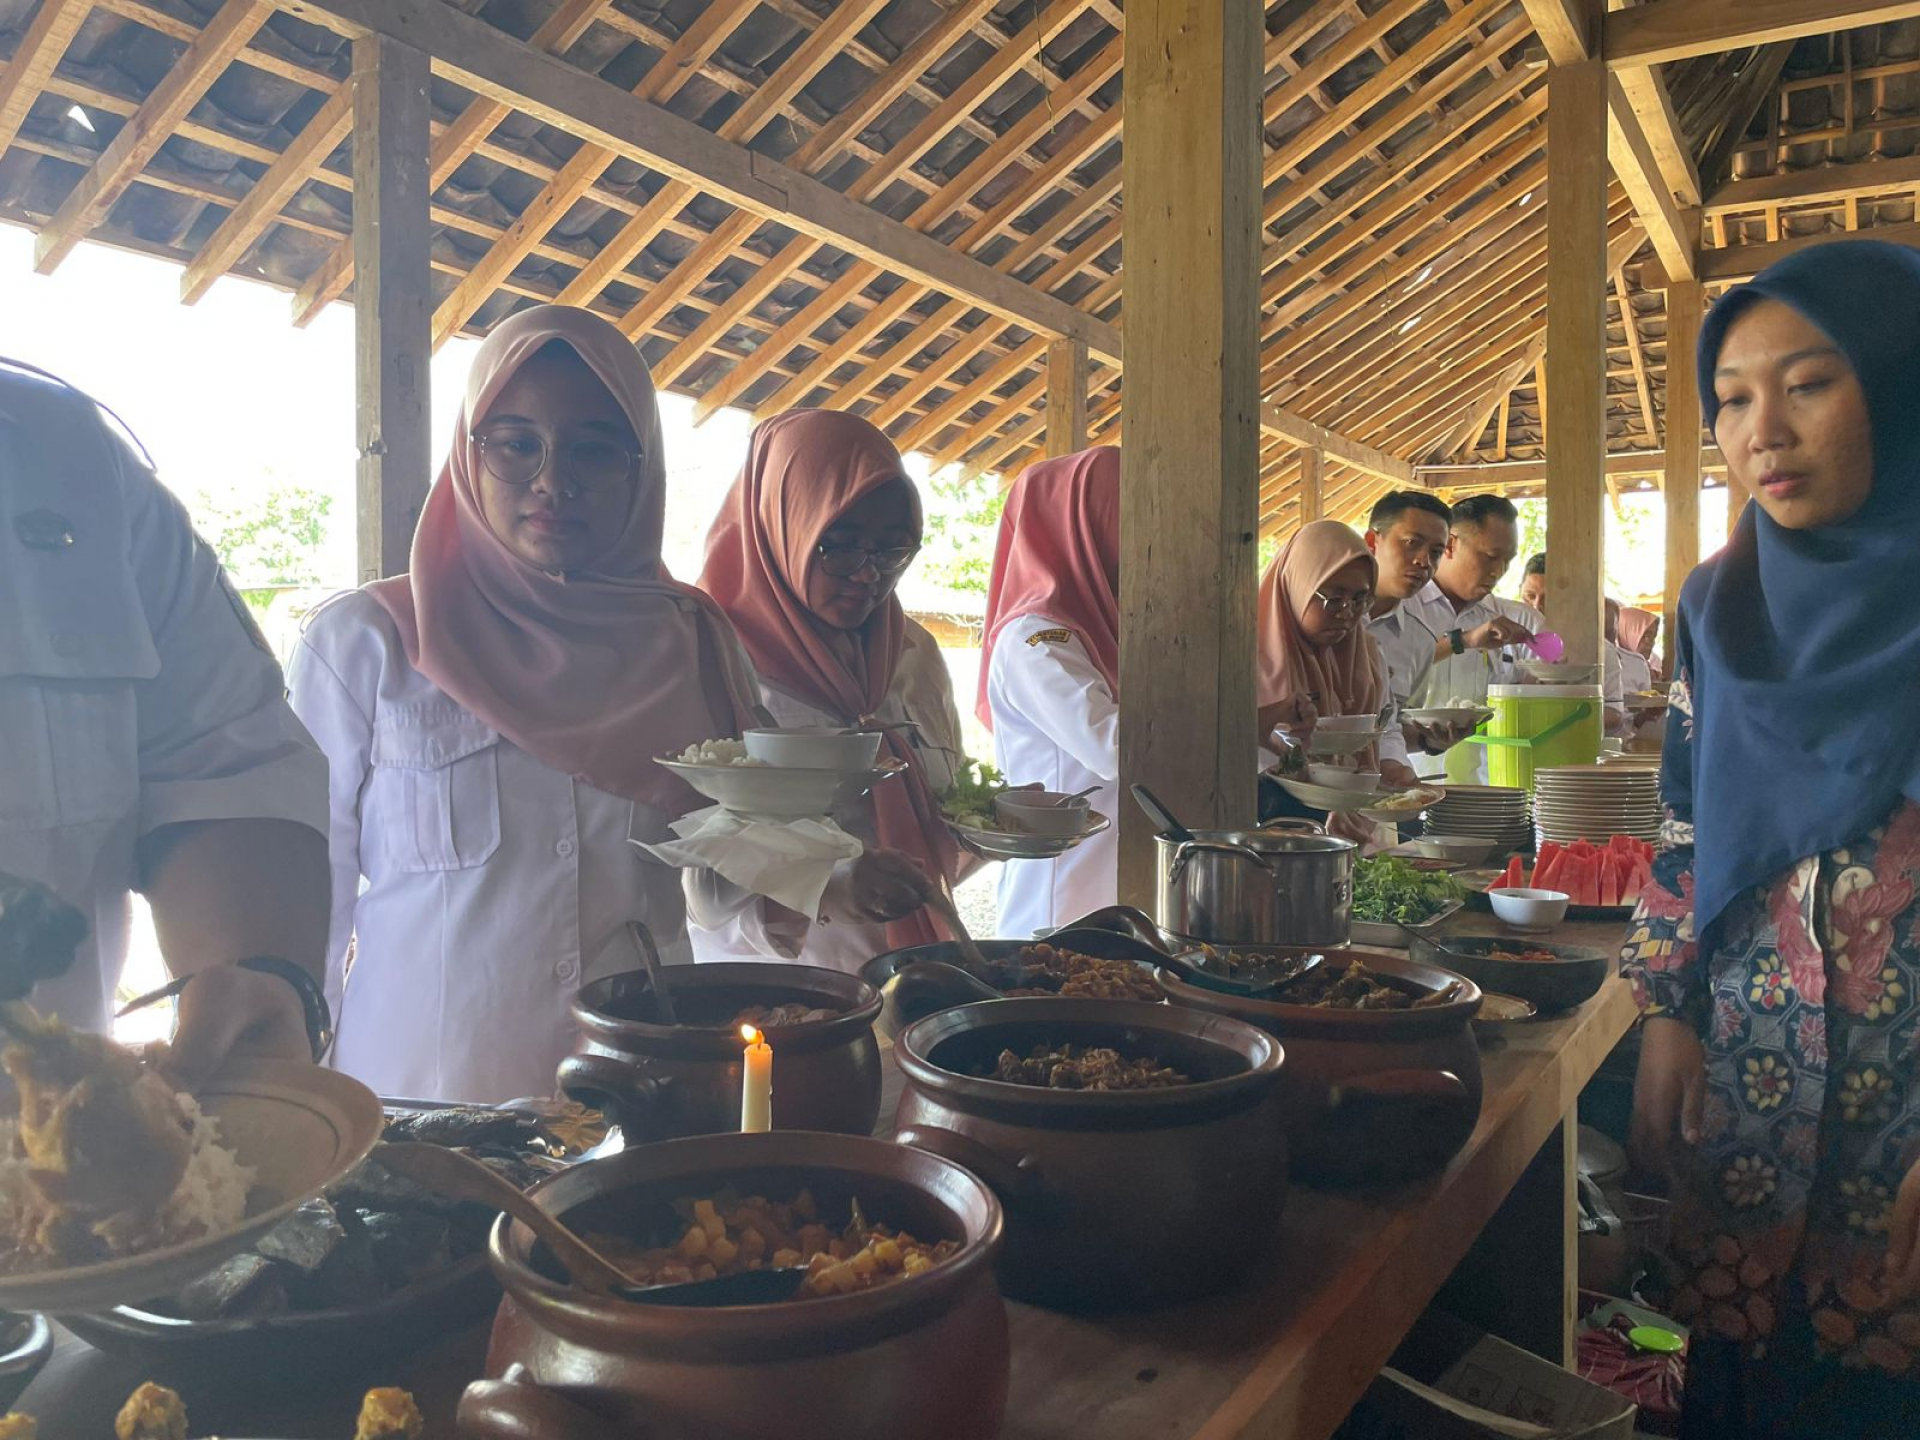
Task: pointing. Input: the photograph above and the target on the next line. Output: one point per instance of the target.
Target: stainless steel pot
(1287, 884)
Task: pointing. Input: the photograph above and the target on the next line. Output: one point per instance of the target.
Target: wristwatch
(313, 1000)
(1458, 641)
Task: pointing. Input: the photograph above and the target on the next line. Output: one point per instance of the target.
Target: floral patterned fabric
(1804, 994)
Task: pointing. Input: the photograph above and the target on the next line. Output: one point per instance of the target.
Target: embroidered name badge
(1049, 637)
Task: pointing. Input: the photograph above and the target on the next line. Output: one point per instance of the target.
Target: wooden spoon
(656, 972)
(943, 905)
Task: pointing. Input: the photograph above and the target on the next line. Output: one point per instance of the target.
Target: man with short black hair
(1407, 533)
(1474, 626)
(1533, 582)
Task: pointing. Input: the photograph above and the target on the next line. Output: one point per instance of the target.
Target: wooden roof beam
(34, 60)
(1743, 262)
(141, 137)
(1665, 30)
(1626, 464)
(260, 208)
(1302, 431)
(1824, 185)
(451, 149)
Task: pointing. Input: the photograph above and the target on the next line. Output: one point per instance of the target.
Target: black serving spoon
(1161, 816)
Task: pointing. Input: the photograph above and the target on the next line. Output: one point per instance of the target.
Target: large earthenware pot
(925, 1357)
(1371, 1095)
(661, 1081)
(1113, 1198)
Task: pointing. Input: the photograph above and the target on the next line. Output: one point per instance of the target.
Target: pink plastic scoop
(1549, 647)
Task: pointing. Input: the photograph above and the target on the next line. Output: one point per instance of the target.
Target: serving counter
(1287, 1355)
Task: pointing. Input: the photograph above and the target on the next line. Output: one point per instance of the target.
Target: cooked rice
(211, 1196)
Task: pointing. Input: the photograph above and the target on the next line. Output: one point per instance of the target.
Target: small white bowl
(1529, 909)
(1462, 849)
(1335, 777)
(814, 747)
(1033, 812)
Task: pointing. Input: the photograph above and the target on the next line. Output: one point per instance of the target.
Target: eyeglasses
(517, 457)
(1345, 604)
(843, 562)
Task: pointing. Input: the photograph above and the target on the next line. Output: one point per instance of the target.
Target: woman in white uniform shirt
(804, 559)
(492, 718)
(1049, 675)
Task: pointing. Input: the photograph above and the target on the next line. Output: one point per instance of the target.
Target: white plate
(777, 792)
(298, 1127)
(1022, 845)
(1383, 815)
(1334, 802)
(1449, 715)
(1341, 742)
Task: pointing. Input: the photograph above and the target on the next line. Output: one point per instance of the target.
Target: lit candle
(756, 1084)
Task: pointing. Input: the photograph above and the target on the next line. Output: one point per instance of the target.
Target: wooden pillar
(1737, 498)
(1576, 399)
(1313, 466)
(1190, 494)
(1066, 396)
(1684, 301)
(392, 298)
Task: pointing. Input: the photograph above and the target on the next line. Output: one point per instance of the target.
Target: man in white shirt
(1407, 533)
(147, 743)
(1476, 631)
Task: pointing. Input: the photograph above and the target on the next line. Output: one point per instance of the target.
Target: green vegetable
(1386, 888)
(969, 799)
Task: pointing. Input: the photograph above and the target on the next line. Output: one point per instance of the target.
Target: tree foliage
(268, 536)
(963, 517)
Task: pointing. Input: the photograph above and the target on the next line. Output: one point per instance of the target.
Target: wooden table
(1286, 1356)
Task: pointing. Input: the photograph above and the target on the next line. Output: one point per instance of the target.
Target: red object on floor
(1653, 1382)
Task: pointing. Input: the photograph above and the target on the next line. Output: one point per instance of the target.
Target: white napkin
(788, 861)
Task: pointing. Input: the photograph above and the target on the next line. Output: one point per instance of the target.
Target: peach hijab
(592, 673)
(1344, 679)
(804, 470)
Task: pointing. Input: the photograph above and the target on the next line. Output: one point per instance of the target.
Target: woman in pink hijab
(491, 720)
(1049, 674)
(804, 558)
(1315, 656)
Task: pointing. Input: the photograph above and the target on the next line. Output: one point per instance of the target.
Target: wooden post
(1737, 498)
(393, 297)
(1066, 396)
(1575, 407)
(1684, 300)
(1313, 466)
(1190, 496)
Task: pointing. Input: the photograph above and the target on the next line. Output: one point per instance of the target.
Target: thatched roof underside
(1403, 289)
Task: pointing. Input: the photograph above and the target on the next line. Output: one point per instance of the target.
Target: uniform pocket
(433, 799)
(73, 752)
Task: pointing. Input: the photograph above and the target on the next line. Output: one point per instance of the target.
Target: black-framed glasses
(1345, 604)
(843, 562)
(516, 456)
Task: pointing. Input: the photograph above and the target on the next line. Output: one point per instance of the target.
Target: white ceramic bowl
(1529, 909)
(1462, 849)
(1359, 782)
(814, 747)
(1033, 812)
(1343, 734)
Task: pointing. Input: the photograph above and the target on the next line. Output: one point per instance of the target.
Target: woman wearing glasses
(804, 558)
(491, 720)
(1049, 684)
(1315, 654)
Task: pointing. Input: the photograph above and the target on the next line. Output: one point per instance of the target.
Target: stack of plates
(1484, 812)
(1633, 760)
(1592, 802)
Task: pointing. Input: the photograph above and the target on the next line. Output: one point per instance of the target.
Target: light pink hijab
(594, 674)
(1344, 679)
(1635, 626)
(1058, 556)
(804, 470)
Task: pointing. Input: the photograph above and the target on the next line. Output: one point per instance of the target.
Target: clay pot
(1370, 1095)
(926, 1356)
(662, 1081)
(1114, 1199)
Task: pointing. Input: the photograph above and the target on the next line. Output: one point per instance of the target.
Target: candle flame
(751, 1035)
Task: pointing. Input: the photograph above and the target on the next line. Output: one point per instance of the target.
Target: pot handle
(1015, 1181)
(1436, 1085)
(517, 1408)
(1191, 848)
(628, 1097)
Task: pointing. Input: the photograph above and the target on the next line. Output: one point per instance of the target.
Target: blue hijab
(1806, 643)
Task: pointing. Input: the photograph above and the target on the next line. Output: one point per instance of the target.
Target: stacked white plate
(1592, 802)
(1483, 812)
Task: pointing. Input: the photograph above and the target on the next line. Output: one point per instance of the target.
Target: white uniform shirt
(1406, 649)
(922, 693)
(1467, 677)
(480, 887)
(1636, 673)
(150, 700)
(1055, 722)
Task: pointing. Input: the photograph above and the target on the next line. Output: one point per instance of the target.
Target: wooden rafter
(1630, 322)
(127, 154)
(1665, 30)
(45, 41)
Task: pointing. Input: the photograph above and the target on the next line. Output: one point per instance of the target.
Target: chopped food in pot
(152, 1412)
(388, 1413)
(725, 1235)
(1085, 1067)
(769, 1017)
(1045, 970)
(1531, 957)
(1358, 988)
(19, 1427)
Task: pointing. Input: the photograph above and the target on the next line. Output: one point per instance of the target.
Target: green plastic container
(1542, 725)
